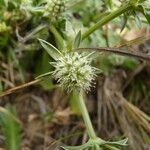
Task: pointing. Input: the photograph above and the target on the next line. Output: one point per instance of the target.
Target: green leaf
(45, 71)
(51, 50)
(147, 16)
(138, 20)
(1, 87)
(111, 147)
(82, 147)
(144, 12)
(141, 1)
(11, 128)
(77, 40)
(44, 75)
(124, 22)
(118, 143)
(110, 3)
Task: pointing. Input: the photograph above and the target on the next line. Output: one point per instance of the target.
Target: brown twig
(19, 87)
(119, 52)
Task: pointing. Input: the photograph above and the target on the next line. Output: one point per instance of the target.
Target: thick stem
(85, 114)
(106, 19)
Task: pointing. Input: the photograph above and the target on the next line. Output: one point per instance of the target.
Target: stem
(58, 37)
(85, 114)
(106, 19)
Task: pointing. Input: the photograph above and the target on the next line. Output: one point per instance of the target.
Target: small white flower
(73, 71)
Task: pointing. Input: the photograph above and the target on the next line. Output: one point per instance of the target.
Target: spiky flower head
(53, 8)
(74, 72)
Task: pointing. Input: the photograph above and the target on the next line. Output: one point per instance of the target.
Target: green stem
(85, 114)
(106, 19)
(58, 37)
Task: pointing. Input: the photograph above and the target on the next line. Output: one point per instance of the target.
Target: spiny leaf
(51, 50)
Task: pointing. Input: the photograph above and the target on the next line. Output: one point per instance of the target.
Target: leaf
(141, 1)
(111, 147)
(44, 75)
(6, 3)
(1, 87)
(124, 22)
(138, 20)
(51, 50)
(69, 30)
(110, 3)
(82, 147)
(144, 12)
(11, 128)
(147, 16)
(118, 143)
(77, 40)
(124, 141)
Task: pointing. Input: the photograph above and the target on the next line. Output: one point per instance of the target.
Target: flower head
(54, 7)
(73, 71)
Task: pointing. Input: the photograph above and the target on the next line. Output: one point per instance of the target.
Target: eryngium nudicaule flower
(74, 72)
(54, 7)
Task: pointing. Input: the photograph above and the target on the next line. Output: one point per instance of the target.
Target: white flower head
(73, 71)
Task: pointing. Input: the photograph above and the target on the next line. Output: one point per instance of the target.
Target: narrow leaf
(147, 16)
(77, 40)
(82, 147)
(144, 12)
(111, 147)
(138, 20)
(124, 22)
(51, 50)
(44, 75)
(118, 143)
(11, 128)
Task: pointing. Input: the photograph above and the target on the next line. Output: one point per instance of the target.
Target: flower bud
(53, 8)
